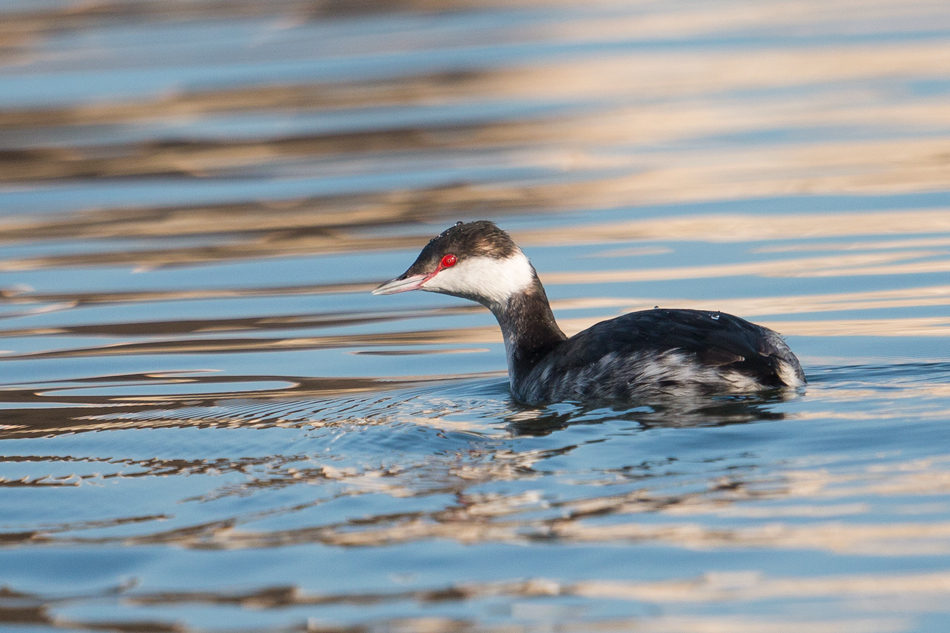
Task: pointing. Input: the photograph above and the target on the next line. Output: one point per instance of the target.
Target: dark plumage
(636, 355)
(662, 351)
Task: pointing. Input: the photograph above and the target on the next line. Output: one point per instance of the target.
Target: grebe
(633, 356)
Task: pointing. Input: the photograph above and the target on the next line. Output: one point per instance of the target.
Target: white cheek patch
(494, 279)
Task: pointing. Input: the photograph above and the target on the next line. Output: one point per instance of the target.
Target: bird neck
(528, 327)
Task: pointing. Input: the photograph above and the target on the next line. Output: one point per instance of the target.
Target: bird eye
(449, 260)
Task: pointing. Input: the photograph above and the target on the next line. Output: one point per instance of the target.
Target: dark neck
(529, 328)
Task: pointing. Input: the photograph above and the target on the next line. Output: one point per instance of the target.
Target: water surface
(207, 423)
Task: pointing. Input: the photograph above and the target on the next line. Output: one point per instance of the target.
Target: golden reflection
(740, 227)
(714, 586)
(915, 593)
(673, 75)
(597, 154)
(910, 243)
(485, 334)
(262, 324)
(837, 265)
(747, 306)
(320, 225)
(41, 616)
(636, 120)
(910, 326)
(79, 298)
(831, 302)
(67, 407)
(790, 304)
(479, 517)
(300, 229)
(883, 327)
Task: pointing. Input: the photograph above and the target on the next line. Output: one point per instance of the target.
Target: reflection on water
(207, 423)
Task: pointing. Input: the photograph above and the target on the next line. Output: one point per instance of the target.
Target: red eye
(449, 260)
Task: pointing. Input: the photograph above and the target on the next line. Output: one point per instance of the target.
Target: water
(209, 424)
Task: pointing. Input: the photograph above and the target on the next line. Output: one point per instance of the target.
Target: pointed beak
(402, 284)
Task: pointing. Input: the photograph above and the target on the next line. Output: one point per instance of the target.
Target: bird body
(631, 357)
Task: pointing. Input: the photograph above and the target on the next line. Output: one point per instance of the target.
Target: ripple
(208, 423)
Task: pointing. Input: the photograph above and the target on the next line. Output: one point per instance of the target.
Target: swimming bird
(625, 359)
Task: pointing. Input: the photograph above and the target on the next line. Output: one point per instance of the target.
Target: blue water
(207, 423)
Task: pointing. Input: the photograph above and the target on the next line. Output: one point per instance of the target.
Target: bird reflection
(671, 412)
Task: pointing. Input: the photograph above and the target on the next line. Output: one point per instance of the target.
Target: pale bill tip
(400, 285)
